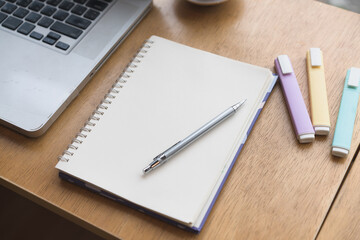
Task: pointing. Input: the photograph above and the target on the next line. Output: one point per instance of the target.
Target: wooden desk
(278, 188)
(343, 221)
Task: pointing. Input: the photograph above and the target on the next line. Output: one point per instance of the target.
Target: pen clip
(315, 57)
(285, 64)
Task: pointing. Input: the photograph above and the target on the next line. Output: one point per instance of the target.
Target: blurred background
(352, 5)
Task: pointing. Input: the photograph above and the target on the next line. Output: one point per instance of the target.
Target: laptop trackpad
(107, 31)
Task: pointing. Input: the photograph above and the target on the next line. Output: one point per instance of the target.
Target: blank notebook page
(172, 92)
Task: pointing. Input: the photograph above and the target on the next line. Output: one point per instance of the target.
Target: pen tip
(147, 169)
(236, 106)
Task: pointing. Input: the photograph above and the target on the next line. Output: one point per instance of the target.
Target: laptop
(50, 49)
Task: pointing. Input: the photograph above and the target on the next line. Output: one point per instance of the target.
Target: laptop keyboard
(55, 23)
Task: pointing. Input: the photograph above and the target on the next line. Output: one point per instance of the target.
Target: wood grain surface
(278, 189)
(343, 221)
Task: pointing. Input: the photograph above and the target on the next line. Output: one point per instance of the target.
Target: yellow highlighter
(317, 89)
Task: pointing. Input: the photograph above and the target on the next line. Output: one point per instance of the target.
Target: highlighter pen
(299, 115)
(347, 114)
(317, 89)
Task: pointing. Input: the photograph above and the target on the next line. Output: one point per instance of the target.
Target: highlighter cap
(339, 152)
(322, 130)
(306, 138)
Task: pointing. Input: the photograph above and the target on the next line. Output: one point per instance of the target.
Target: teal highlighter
(347, 114)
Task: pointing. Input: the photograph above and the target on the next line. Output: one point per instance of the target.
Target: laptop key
(21, 12)
(97, 5)
(23, 3)
(12, 1)
(62, 46)
(78, 22)
(53, 2)
(33, 17)
(48, 11)
(26, 28)
(12, 23)
(80, 1)
(91, 14)
(36, 35)
(2, 3)
(45, 22)
(66, 30)
(60, 15)
(66, 5)
(79, 10)
(53, 35)
(9, 8)
(36, 6)
(2, 17)
(49, 41)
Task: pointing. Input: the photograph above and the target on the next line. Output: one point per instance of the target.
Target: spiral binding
(103, 106)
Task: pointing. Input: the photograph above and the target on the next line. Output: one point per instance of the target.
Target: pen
(164, 156)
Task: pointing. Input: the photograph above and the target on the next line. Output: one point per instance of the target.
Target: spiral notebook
(168, 91)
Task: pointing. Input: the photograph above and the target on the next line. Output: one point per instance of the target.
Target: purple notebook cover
(80, 183)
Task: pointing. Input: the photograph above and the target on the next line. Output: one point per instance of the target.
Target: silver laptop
(50, 49)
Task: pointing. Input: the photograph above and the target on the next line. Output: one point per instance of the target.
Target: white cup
(207, 2)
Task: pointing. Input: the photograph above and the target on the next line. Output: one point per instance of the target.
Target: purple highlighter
(299, 115)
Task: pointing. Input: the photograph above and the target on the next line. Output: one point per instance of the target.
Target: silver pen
(164, 156)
